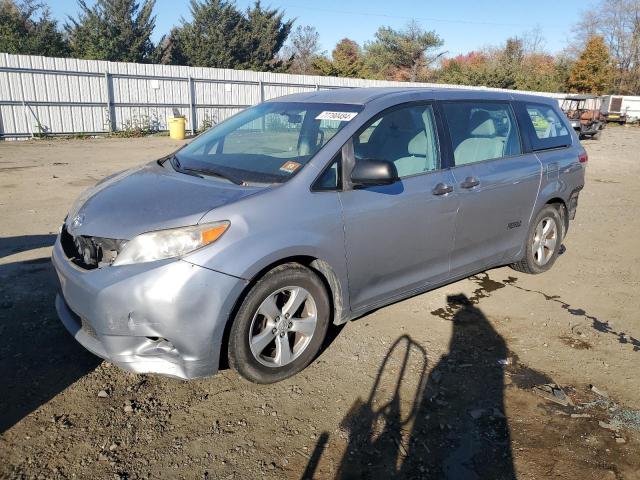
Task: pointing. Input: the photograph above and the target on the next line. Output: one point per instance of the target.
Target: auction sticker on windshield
(290, 167)
(341, 116)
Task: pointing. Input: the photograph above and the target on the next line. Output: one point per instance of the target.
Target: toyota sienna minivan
(311, 210)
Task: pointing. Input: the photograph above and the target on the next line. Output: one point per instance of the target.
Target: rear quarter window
(546, 128)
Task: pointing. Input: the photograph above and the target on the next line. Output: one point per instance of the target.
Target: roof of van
(364, 95)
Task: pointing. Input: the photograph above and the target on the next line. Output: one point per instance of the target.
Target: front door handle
(470, 182)
(442, 189)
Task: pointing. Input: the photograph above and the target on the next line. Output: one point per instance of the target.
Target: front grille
(90, 252)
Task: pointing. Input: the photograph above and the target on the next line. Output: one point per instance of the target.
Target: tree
(303, 49)
(266, 33)
(618, 22)
(347, 58)
(591, 73)
(509, 64)
(541, 72)
(408, 51)
(116, 30)
(519, 64)
(324, 66)
(167, 51)
(215, 36)
(469, 69)
(27, 28)
(221, 36)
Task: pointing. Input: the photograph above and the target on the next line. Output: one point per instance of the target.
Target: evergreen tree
(323, 66)
(266, 33)
(221, 36)
(409, 51)
(347, 59)
(116, 30)
(27, 28)
(168, 51)
(591, 73)
(215, 37)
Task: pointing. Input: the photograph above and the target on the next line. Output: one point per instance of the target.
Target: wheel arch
(320, 267)
(561, 206)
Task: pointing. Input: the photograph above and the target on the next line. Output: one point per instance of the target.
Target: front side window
(268, 143)
(549, 130)
(404, 136)
(331, 177)
(481, 131)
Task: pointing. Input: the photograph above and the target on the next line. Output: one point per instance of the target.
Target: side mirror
(374, 172)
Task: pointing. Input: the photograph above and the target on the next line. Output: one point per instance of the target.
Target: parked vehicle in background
(621, 108)
(583, 112)
(307, 210)
(612, 109)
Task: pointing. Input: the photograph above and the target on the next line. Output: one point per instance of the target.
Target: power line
(402, 17)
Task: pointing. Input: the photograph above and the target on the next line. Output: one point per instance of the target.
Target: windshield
(268, 143)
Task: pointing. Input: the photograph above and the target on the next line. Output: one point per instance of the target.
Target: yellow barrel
(177, 127)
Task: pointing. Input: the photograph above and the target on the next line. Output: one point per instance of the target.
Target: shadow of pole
(450, 425)
(310, 471)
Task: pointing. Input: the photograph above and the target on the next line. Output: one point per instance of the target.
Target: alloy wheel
(544, 241)
(283, 326)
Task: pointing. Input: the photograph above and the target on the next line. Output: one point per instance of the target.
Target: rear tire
(543, 242)
(280, 326)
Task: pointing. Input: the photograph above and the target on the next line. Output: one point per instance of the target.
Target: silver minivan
(311, 209)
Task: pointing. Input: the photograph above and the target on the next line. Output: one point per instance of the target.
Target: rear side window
(481, 131)
(549, 131)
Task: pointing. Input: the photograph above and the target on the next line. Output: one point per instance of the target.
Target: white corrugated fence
(64, 96)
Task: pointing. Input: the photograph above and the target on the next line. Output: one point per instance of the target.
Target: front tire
(280, 325)
(543, 242)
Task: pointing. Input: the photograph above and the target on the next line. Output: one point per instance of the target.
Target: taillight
(583, 157)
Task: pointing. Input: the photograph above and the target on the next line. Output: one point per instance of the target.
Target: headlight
(161, 244)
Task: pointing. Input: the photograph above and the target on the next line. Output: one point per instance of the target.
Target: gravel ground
(448, 384)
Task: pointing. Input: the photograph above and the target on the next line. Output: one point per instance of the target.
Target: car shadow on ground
(447, 425)
(38, 357)
(23, 243)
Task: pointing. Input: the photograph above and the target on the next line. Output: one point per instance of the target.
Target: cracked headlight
(162, 244)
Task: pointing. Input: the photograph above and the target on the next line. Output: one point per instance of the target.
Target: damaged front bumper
(165, 317)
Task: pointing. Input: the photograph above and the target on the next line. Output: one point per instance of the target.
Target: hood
(148, 198)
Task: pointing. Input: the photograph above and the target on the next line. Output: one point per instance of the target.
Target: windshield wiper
(215, 173)
(177, 166)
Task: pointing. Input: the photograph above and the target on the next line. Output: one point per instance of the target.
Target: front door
(497, 184)
(398, 237)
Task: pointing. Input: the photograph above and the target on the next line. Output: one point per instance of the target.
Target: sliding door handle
(442, 189)
(470, 182)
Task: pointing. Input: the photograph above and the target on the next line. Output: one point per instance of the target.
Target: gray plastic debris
(553, 393)
(608, 426)
(597, 391)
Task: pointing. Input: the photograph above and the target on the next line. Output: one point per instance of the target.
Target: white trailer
(621, 108)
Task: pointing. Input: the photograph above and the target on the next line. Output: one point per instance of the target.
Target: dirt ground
(443, 385)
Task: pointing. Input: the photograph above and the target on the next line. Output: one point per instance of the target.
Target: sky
(464, 25)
